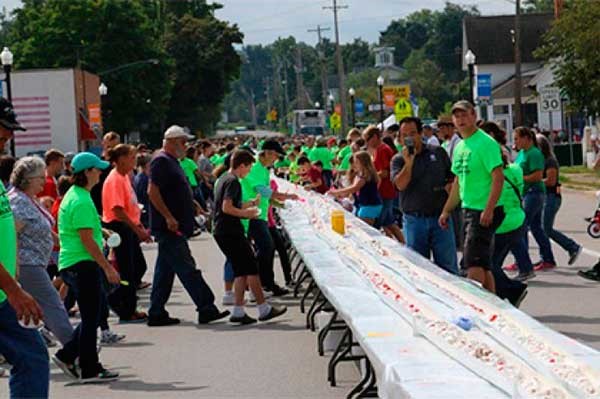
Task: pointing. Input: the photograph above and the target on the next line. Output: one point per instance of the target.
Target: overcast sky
(263, 21)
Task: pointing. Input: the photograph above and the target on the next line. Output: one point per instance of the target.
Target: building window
(500, 109)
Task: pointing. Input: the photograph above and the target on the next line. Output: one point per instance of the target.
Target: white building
(490, 38)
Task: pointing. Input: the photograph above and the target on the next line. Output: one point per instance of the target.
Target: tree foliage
(572, 47)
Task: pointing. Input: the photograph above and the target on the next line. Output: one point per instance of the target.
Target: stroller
(593, 228)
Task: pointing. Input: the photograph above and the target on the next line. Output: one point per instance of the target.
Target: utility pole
(323, 62)
(300, 93)
(268, 93)
(340, 65)
(518, 117)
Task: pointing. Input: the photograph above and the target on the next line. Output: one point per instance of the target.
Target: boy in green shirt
(477, 165)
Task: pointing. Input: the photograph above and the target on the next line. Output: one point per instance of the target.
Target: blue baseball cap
(87, 160)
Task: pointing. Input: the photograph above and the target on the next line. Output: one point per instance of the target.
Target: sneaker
(48, 337)
(228, 299)
(69, 369)
(212, 316)
(243, 320)
(103, 376)
(511, 268)
(278, 291)
(137, 317)
(589, 274)
(543, 266)
(524, 276)
(520, 298)
(574, 255)
(162, 321)
(276, 311)
(108, 337)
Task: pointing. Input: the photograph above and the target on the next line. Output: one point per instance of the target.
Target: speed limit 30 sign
(550, 99)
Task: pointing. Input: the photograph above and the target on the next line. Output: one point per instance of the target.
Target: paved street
(279, 359)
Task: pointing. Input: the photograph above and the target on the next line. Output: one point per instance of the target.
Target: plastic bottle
(338, 221)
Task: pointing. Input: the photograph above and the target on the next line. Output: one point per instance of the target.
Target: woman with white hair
(36, 240)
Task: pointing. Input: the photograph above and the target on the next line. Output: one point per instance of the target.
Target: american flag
(34, 114)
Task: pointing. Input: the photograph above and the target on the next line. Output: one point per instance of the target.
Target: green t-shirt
(258, 176)
(8, 247)
(343, 152)
(76, 212)
(474, 160)
(344, 166)
(399, 148)
(307, 150)
(515, 215)
(282, 164)
(189, 168)
(322, 154)
(294, 172)
(530, 161)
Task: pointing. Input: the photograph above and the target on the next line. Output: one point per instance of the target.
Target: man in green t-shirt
(322, 153)
(258, 181)
(477, 164)
(22, 347)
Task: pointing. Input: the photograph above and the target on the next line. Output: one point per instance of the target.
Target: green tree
(572, 47)
(357, 55)
(205, 62)
(538, 6)
(427, 82)
(99, 35)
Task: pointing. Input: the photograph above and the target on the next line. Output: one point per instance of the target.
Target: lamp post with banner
(380, 82)
(6, 57)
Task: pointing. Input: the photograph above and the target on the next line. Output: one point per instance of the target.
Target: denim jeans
(175, 258)
(26, 351)
(85, 280)
(520, 251)
(424, 235)
(551, 207)
(228, 276)
(533, 202)
(505, 287)
(265, 251)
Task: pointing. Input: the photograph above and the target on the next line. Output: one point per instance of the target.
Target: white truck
(53, 105)
(309, 121)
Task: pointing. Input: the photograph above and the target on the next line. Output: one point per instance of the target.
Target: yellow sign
(272, 115)
(335, 121)
(399, 91)
(403, 109)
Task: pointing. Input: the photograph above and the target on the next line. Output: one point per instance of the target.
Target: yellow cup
(338, 222)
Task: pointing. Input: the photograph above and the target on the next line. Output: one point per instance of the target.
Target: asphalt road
(279, 359)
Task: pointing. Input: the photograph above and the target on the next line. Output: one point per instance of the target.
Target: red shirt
(381, 160)
(50, 189)
(314, 175)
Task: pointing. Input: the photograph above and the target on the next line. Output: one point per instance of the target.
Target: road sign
(484, 86)
(95, 116)
(550, 99)
(359, 106)
(335, 121)
(403, 109)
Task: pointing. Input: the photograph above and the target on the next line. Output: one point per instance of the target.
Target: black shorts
(479, 240)
(240, 253)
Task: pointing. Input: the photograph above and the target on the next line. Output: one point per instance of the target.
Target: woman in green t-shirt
(531, 160)
(81, 263)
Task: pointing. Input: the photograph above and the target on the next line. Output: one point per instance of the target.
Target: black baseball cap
(273, 145)
(8, 118)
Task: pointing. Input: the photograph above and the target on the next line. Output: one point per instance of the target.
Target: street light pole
(470, 61)
(332, 105)
(352, 111)
(103, 91)
(6, 57)
(380, 82)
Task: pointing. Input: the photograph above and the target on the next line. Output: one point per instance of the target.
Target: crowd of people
(73, 225)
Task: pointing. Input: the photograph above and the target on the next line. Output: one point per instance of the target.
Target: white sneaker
(228, 299)
(108, 337)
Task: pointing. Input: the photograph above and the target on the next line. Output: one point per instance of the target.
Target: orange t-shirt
(118, 192)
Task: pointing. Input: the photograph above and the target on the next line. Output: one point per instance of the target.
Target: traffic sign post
(550, 99)
(484, 86)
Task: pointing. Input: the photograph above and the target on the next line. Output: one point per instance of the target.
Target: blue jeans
(533, 202)
(265, 251)
(26, 351)
(551, 207)
(175, 258)
(424, 235)
(228, 276)
(520, 250)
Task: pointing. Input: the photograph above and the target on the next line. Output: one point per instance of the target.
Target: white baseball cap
(175, 132)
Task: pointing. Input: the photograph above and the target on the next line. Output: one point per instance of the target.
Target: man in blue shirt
(172, 223)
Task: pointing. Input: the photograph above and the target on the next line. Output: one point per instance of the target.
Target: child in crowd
(365, 184)
(231, 238)
(310, 176)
